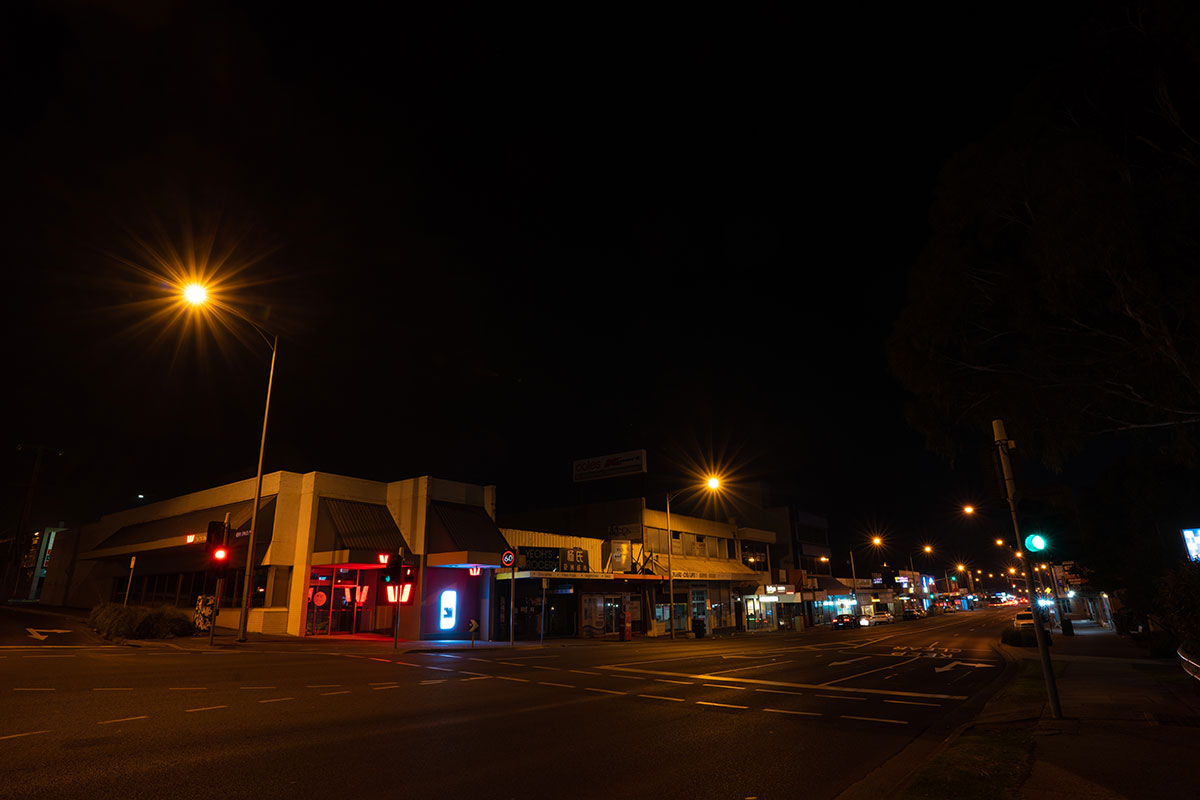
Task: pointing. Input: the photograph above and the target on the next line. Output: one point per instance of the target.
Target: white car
(878, 618)
(1024, 619)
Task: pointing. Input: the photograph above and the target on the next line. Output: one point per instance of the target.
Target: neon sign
(383, 558)
(399, 593)
(449, 610)
(474, 571)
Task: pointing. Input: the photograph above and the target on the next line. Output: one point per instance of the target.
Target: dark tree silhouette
(1060, 285)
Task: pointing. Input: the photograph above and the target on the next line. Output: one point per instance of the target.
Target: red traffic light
(220, 554)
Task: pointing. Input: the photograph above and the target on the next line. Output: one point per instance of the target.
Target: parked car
(912, 613)
(949, 610)
(1024, 619)
(878, 618)
(845, 621)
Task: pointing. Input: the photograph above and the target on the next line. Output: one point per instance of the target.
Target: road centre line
(911, 703)
(276, 699)
(797, 713)
(343, 691)
(604, 691)
(206, 708)
(681, 683)
(719, 705)
(722, 686)
(539, 666)
(511, 678)
(19, 735)
(868, 672)
(662, 697)
(123, 719)
(789, 685)
(752, 666)
(877, 719)
(581, 671)
(479, 678)
(562, 685)
(779, 691)
(394, 686)
(423, 683)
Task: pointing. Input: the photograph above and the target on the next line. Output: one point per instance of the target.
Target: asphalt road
(772, 716)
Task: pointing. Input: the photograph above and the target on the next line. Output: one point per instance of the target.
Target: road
(773, 716)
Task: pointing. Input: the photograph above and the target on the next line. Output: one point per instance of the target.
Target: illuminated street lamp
(712, 484)
(196, 295)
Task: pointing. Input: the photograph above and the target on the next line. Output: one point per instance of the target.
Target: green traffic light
(1035, 543)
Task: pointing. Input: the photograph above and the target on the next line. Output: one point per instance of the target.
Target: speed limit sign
(508, 558)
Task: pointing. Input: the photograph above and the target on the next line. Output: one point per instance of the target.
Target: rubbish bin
(698, 627)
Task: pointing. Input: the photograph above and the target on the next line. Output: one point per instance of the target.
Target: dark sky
(490, 244)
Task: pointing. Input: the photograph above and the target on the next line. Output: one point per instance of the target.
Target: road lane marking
(511, 678)
(423, 683)
(604, 691)
(719, 705)
(510, 663)
(258, 687)
(790, 685)
(19, 735)
(582, 672)
(662, 697)
(205, 708)
(477, 674)
(123, 719)
(681, 683)
(911, 703)
(112, 689)
(33, 689)
(798, 713)
(276, 699)
(877, 719)
(779, 691)
(539, 666)
(187, 689)
(343, 691)
(563, 685)
(406, 663)
(720, 686)
(477, 678)
(484, 660)
(67, 655)
(841, 697)
(384, 660)
(754, 666)
(322, 686)
(868, 672)
(390, 686)
(445, 669)
(382, 683)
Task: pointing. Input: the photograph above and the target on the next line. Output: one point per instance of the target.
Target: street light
(877, 542)
(196, 295)
(713, 484)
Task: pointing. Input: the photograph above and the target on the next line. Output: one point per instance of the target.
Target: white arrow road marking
(39, 633)
(849, 661)
(954, 664)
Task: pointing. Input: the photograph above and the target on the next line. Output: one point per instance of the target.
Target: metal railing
(1189, 666)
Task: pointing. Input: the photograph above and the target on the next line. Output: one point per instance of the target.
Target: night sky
(490, 244)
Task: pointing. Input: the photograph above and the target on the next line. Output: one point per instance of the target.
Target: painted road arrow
(850, 661)
(40, 633)
(954, 664)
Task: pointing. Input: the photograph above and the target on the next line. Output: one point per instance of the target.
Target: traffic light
(218, 548)
(1036, 543)
(407, 579)
(398, 580)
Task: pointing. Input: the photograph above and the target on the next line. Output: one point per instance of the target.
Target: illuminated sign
(1191, 540)
(475, 571)
(191, 538)
(399, 594)
(383, 558)
(449, 610)
(508, 558)
(610, 466)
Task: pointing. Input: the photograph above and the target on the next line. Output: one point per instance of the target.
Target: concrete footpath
(1130, 725)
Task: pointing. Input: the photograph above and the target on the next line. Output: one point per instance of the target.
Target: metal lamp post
(712, 484)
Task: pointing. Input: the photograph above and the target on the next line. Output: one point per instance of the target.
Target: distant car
(845, 621)
(878, 618)
(912, 613)
(949, 609)
(1024, 619)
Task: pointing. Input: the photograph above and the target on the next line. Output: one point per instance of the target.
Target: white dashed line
(187, 689)
(841, 697)
(582, 672)
(276, 699)
(911, 703)
(123, 719)
(510, 678)
(797, 713)
(423, 683)
(563, 685)
(322, 686)
(343, 691)
(390, 686)
(681, 683)
(206, 708)
(662, 697)
(721, 686)
(719, 705)
(112, 689)
(877, 719)
(603, 691)
(778, 691)
(33, 689)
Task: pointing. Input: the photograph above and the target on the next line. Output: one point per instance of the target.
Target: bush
(1179, 599)
(139, 622)
(1022, 637)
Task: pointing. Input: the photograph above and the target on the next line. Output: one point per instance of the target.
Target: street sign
(473, 625)
(508, 558)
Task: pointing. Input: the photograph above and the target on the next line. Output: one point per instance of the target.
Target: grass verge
(984, 763)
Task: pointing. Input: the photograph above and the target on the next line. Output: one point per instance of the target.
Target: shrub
(1179, 599)
(139, 622)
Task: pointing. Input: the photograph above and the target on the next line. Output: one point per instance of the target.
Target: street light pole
(670, 571)
(262, 445)
(1003, 445)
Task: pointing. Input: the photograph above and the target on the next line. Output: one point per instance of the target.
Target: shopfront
(343, 600)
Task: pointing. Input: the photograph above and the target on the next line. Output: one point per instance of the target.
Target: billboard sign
(611, 466)
(1191, 540)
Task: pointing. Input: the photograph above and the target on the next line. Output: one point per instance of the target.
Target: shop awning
(704, 569)
(455, 528)
(366, 528)
(832, 586)
(160, 534)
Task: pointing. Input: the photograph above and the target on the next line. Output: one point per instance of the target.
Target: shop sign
(563, 588)
(622, 555)
(610, 466)
(781, 589)
(541, 559)
(574, 559)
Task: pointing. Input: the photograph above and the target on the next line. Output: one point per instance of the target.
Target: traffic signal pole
(212, 629)
(1003, 445)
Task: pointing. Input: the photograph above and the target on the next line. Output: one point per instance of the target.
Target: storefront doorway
(341, 600)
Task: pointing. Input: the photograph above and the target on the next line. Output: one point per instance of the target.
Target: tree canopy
(1059, 285)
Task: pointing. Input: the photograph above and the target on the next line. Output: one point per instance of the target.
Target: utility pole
(1003, 445)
